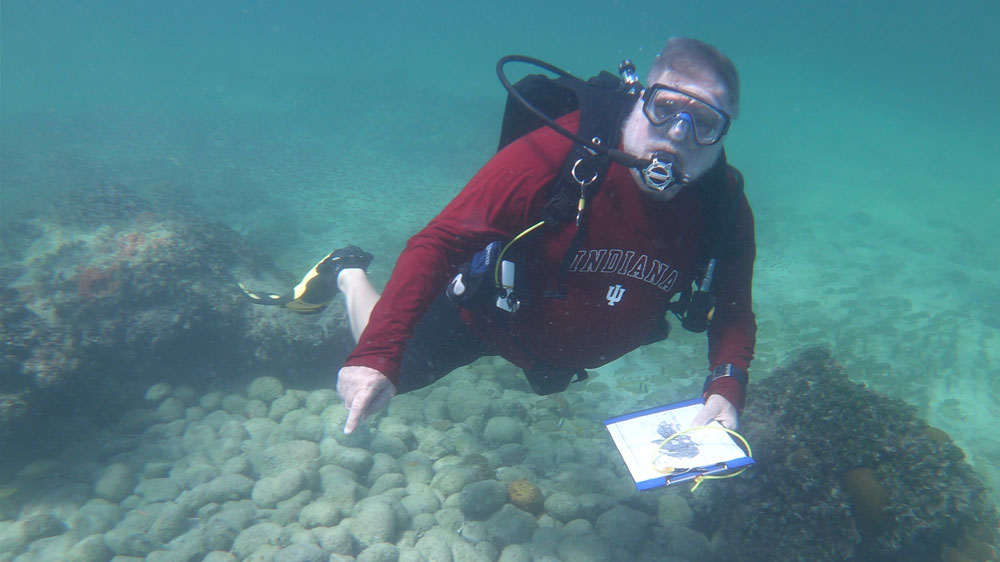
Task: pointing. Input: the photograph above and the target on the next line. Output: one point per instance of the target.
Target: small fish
(6, 492)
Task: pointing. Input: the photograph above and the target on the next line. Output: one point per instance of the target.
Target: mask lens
(664, 105)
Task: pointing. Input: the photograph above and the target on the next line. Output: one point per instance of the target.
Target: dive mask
(664, 105)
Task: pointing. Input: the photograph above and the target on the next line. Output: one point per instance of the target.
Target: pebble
(374, 523)
(255, 538)
(234, 404)
(379, 552)
(221, 489)
(115, 483)
(586, 548)
(291, 454)
(563, 506)
(90, 549)
(358, 461)
(514, 526)
(211, 401)
(318, 400)
(672, 509)
(433, 547)
(265, 389)
(158, 490)
(451, 479)
(687, 543)
(256, 409)
(301, 553)
(96, 516)
(197, 436)
(158, 392)
(420, 498)
(171, 409)
(41, 526)
(270, 490)
(336, 540)
(223, 527)
(283, 405)
(170, 523)
(626, 527)
(502, 430)
(481, 499)
(463, 403)
(338, 486)
(320, 513)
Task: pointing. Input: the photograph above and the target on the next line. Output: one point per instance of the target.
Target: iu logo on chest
(624, 263)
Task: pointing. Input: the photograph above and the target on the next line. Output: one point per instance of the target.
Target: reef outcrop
(843, 473)
(106, 294)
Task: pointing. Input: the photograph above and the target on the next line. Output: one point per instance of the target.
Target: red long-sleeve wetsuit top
(647, 248)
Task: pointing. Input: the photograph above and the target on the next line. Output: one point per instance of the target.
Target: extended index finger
(356, 413)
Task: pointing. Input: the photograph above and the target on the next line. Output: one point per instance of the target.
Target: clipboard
(653, 460)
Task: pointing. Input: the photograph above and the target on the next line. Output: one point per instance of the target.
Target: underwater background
(866, 136)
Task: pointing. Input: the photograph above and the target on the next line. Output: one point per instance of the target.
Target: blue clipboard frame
(715, 469)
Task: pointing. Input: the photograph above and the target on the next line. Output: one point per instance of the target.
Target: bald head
(701, 62)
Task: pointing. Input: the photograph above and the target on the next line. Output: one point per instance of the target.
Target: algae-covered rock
(108, 293)
(842, 473)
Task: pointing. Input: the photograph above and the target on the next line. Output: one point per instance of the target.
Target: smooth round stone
(170, 523)
(335, 539)
(41, 526)
(211, 401)
(265, 389)
(501, 430)
(115, 483)
(170, 409)
(290, 454)
(318, 400)
(309, 428)
(480, 499)
(90, 549)
(234, 404)
(626, 527)
(95, 517)
(375, 523)
(158, 391)
(255, 538)
(299, 552)
(270, 490)
(451, 479)
(195, 413)
(320, 513)
(197, 436)
(283, 405)
(357, 460)
(563, 506)
(185, 393)
(158, 490)
(379, 552)
(256, 409)
(463, 403)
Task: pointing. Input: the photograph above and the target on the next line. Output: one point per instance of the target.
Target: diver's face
(642, 138)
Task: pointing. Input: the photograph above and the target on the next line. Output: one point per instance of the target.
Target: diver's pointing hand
(363, 391)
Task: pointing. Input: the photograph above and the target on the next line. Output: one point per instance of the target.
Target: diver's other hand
(364, 391)
(719, 409)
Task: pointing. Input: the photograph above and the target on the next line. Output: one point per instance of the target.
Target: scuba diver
(568, 249)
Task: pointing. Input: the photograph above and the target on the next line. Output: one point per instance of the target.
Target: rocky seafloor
(472, 469)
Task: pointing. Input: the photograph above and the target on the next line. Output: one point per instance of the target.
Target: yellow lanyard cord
(496, 268)
(701, 477)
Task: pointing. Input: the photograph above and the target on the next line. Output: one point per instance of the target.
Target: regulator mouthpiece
(659, 174)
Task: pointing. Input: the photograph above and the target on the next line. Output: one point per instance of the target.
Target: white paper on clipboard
(640, 436)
